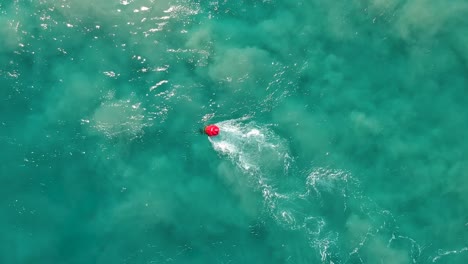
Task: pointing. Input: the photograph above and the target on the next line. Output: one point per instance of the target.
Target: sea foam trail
(265, 158)
(325, 204)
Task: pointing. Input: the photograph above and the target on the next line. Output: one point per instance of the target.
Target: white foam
(225, 148)
(253, 132)
(254, 149)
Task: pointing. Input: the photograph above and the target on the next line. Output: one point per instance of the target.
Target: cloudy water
(342, 131)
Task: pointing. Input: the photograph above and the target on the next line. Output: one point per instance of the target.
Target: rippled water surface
(342, 131)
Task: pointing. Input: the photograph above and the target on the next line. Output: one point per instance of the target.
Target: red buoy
(212, 130)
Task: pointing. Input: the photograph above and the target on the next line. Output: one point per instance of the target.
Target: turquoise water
(342, 131)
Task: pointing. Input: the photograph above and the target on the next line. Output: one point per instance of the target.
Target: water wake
(326, 204)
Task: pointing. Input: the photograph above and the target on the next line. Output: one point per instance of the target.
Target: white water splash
(251, 147)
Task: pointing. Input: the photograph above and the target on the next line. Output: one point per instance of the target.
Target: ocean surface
(343, 131)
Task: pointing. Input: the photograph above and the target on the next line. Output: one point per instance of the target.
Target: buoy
(212, 130)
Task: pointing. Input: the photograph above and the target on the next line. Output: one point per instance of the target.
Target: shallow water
(342, 131)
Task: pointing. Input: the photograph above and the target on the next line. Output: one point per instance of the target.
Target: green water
(342, 138)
